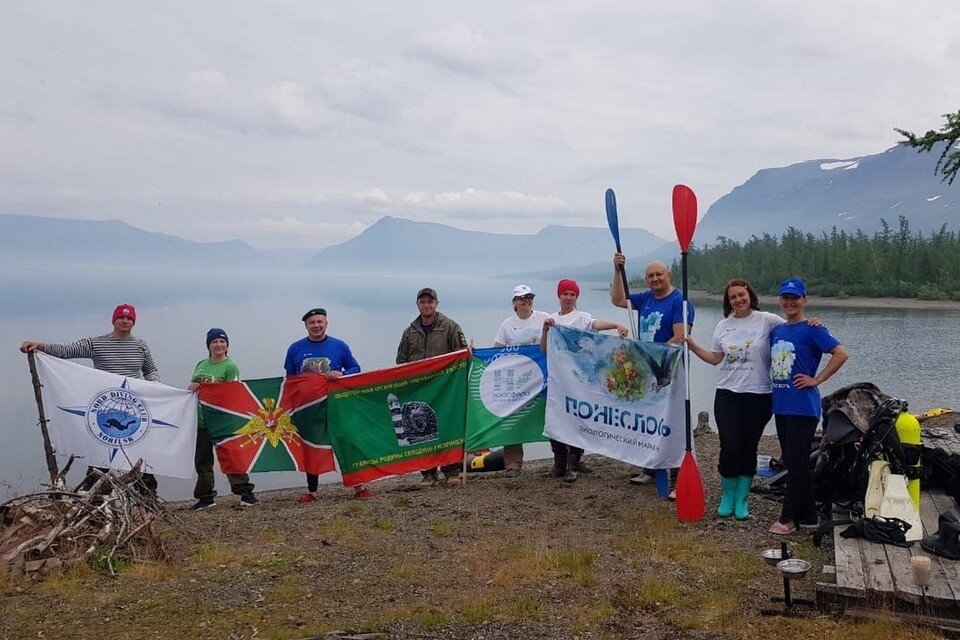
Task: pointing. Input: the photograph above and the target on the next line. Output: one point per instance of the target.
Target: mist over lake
(908, 353)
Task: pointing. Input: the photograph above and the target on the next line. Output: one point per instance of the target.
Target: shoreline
(852, 302)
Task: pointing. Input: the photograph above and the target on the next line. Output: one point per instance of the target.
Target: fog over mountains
(813, 196)
(850, 194)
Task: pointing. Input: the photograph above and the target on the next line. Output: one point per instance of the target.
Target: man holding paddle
(659, 314)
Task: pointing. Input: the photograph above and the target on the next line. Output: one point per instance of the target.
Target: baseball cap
(793, 287)
(427, 291)
(522, 290)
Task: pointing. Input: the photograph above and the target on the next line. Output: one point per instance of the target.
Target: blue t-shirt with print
(657, 317)
(797, 348)
(329, 354)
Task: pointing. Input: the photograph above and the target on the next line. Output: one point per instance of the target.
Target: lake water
(907, 353)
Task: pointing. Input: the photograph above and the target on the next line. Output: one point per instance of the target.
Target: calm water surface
(912, 354)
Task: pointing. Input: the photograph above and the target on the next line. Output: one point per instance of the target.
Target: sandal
(780, 529)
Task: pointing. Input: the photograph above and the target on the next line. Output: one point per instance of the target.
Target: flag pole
(463, 473)
(47, 447)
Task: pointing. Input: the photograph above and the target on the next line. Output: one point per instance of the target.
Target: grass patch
(214, 552)
(383, 525)
(441, 529)
(592, 615)
(151, 571)
(66, 584)
(356, 508)
(401, 501)
(433, 620)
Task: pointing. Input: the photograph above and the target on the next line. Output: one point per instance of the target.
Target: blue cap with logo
(793, 287)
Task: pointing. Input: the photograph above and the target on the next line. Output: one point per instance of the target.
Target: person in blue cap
(796, 349)
(216, 367)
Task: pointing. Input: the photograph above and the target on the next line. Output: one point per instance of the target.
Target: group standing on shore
(768, 365)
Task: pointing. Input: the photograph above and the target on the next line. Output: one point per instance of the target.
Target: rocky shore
(530, 557)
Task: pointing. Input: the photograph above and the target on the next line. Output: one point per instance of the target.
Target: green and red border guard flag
(398, 420)
(271, 424)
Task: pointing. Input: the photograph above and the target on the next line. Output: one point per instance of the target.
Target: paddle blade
(684, 214)
(690, 500)
(612, 221)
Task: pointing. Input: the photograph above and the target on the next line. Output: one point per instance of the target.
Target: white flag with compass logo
(112, 421)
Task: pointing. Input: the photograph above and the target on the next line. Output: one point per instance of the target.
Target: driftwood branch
(55, 529)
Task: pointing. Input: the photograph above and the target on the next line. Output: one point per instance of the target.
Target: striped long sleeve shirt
(130, 358)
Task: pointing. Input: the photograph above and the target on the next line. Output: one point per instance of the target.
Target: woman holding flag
(566, 458)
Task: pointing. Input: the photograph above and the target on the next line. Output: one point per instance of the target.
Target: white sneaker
(642, 478)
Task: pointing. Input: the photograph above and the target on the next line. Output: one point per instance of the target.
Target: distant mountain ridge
(406, 246)
(30, 239)
(851, 194)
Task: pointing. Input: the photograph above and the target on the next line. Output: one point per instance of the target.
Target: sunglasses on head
(526, 297)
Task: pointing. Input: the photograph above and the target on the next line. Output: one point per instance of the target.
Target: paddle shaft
(686, 351)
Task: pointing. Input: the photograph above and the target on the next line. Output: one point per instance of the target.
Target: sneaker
(248, 500)
(582, 468)
(362, 493)
(554, 472)
(307, 498)
(809, 526)
(672, 495)
(571, 476)
(203, 503)
(511, 473)
(642, 478)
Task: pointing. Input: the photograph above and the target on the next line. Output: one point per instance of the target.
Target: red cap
(124, 311)
(567, 285)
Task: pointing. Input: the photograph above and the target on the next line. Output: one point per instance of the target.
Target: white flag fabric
(112, 420)
(620, 398)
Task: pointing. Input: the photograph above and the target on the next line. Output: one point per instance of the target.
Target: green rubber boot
(740, 509)
(729, 496)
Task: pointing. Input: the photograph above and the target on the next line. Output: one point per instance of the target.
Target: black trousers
(741, 418)
(203, 460)
(796, 438)
(563, 456)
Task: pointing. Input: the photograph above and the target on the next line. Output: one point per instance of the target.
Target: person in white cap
(522, 328)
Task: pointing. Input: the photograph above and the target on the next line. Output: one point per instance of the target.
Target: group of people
(768, 366)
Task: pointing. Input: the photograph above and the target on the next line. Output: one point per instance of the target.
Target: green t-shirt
(209, 371)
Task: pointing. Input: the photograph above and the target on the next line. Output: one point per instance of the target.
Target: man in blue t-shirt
(331, 358)
(659, 316)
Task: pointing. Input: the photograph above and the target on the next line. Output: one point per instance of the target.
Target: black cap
(316, 311)
(427, 291)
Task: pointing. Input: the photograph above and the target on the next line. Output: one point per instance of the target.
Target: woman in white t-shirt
(566, 458)
(522, 328)
(743, 404)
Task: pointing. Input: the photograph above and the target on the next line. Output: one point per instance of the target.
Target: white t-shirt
(745, 344)
(576, 319)
(514, 332)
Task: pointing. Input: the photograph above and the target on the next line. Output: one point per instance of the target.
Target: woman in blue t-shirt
(796, 349)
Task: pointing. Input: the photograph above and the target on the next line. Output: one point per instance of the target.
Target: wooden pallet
(870, 576)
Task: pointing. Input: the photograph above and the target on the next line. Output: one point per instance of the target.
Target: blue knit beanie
(215, 333)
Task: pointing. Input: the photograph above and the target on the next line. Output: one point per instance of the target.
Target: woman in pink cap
(566, 459)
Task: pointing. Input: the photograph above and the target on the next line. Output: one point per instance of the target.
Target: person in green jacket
(431, 334)
(217, 367)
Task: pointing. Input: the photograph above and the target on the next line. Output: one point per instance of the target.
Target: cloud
(454, 47)
(471, 202)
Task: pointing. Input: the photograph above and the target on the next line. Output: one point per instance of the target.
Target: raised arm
(617, 297)
(603, 325)
(708, 356)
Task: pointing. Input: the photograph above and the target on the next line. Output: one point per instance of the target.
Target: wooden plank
(898, 559)
(876, 569)
(849, 565)
(944, 568)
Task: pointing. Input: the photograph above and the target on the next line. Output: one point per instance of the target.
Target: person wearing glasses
(522, 328)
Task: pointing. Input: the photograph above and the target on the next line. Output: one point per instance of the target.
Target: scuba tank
(908, 428)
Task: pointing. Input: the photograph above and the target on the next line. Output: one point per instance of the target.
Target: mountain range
(813, 196)
(851, 194)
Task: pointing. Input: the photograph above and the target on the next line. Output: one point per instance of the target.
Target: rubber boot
(945, 542)
(728, 498)
(740, 509)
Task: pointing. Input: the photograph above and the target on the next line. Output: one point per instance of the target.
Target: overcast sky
(299, 124)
